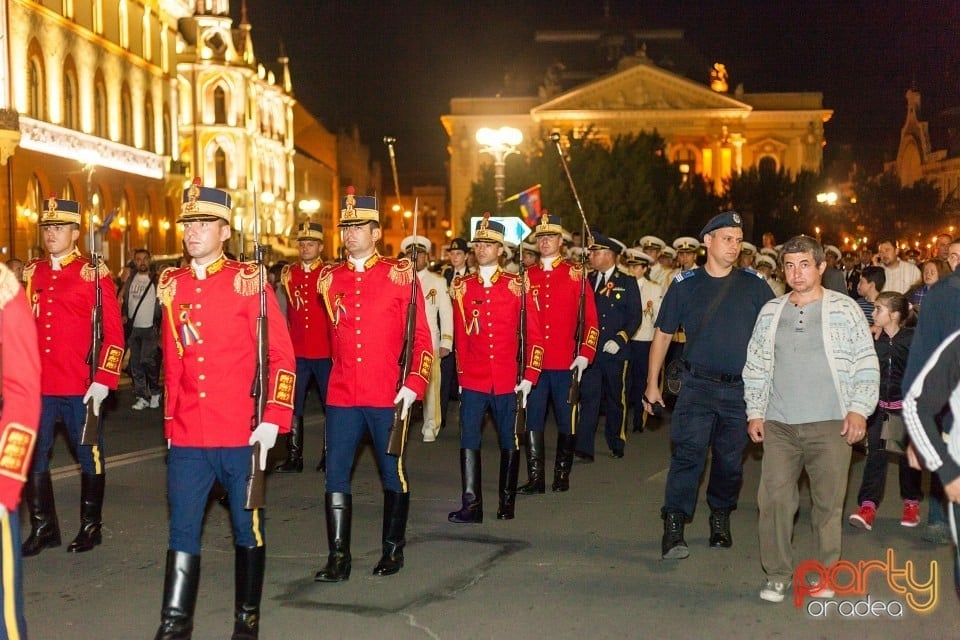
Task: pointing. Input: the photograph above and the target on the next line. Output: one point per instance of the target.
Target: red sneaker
(863, 518)
(911, 513)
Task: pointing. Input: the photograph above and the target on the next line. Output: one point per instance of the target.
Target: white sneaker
(155, 401)
(140, 404)
(773, 591)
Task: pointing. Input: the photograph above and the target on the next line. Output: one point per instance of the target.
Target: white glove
(3, 510)
(407, 396)
(580, 363)
(612, 347)
(266, 435)
(523, 387)
(98, 393)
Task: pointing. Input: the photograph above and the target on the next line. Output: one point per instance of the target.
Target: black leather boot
(294, 461)
(536, 482)
(396, 508)
(673, 546)
(471, 510)
(509, 469)
(180, 583)
(339, 508)
(720, 536)
(248, 580)
(44, 529)
(564, 462)
(91, 508)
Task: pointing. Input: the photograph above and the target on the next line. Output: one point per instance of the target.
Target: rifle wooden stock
(398, 428)
(256, 490)
(90, 435)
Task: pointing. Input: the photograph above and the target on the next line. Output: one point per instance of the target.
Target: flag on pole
(529, 201)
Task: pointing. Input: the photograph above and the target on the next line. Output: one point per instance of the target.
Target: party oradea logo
(861, 589)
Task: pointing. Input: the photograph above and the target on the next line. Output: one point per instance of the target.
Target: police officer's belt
(712, 376)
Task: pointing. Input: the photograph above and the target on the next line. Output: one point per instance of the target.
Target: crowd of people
(805, 349)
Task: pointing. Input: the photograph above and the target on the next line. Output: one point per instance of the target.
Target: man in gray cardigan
(810, 380)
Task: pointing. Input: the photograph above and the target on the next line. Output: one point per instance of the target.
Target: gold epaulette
(9, 287)
(285, 275)
(324, 281)
(249, 279)
(167, 286)
(515, 284)
(87, 273)
(457, 288)
(576, 272)
(401, 272)
(29, 269)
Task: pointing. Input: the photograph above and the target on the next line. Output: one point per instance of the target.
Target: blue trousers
(14, 624)
(473, 406)
(603, 381)
(310, 368)
(707, 415)
(72, 410)
(448, 384)
(190, 475)
(345, 428)
(552, 388)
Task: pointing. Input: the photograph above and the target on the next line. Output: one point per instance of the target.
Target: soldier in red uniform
(487, 307)
(62, 290)
(310, 335)
(556, 287)
(367, 297)
(210, 311)
(20, 414)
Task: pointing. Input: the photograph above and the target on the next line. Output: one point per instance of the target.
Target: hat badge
(52, 203)
(350, 203)
(485, 223)
(193, 195)
(736, 218)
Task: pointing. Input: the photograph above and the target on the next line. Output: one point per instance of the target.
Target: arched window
(220, 167)
(71, 112)
(36, 96)
(767, 165)
(126, 116)
(149, 132)
(99, 107)
(219, 105)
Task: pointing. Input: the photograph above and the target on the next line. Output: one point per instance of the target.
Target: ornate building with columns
(119, 103)
(707, 130)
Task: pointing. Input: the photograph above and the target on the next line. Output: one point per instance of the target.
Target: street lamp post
(499, 143)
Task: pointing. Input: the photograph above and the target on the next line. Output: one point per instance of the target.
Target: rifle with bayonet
(398, 428)
(573, 397)
(256, 489)
(520, 419)
(90, 435)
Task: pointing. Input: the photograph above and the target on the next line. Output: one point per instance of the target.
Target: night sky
(392, 67)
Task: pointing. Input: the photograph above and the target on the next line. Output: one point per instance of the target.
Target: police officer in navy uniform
(211, 310)
(617, 298)
(710, 412)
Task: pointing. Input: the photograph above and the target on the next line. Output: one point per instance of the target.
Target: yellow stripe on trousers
(9, 580)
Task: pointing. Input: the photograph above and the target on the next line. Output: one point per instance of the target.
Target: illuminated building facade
(706, 130)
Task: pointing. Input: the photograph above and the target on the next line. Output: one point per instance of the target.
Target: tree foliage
(627, 190)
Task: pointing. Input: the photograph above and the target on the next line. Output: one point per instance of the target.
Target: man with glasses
(62, 289)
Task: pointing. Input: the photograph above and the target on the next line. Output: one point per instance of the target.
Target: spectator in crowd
(894, 318)
(901, 275)
(872, 282)
(944, 240)
(932, 270)
(16, 266)
(832, 275)
(811, 375)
